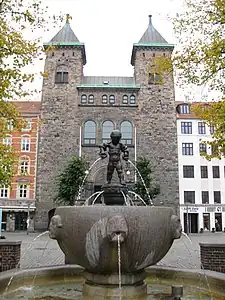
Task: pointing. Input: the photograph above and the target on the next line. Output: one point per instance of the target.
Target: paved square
(46, 252)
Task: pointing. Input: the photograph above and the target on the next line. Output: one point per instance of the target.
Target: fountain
(111, 248)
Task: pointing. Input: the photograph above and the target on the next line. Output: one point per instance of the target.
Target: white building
(201, 182)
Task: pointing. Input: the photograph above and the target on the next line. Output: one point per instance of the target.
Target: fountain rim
(216, 280)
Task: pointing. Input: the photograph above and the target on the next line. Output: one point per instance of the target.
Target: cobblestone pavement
(43, 251)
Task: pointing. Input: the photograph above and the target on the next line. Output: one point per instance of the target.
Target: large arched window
(107, 128)
(90, 133)
(61, 75)
(127, 132)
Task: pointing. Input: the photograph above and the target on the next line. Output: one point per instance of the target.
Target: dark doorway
(218, 221)
(21, 221)
(191, 224)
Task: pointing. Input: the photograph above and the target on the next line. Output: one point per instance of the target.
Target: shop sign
(191, 209)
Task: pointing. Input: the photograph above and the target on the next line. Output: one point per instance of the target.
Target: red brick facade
(9, 255)
(213, 257)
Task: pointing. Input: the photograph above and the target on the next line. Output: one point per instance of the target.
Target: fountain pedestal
(114, 194)
(106, 287)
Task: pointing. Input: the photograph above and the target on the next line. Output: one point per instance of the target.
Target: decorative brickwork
(213, 257)
(9, 255)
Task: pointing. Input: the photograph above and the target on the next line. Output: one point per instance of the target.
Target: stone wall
(9, 255)
(213, 257)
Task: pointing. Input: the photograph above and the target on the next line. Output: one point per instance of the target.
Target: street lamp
(187, 221)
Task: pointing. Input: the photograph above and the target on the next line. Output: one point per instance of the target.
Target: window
(211, 129)
(10, 125)
(112, 99)
(27, 126)
(184, 109)
(216, 171)
(154, 78)
(25, 144)
(201, 128)
(186, 127)
(104, 99)
(187, 148)
(127, 132)
(217, 197)
(61, 77)
(90, 133)
(83, 99)
(188, 171)
(204, 172)
(189, 197)
(202, 148)
(125, 99)
(24, 166)
(4, 192)
(107, 128)
(91, 99)
(132, 99)
(7, 141)
(214, 149)
(205, 197)
(23, 191)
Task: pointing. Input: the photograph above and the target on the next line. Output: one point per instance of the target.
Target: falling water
(87, 201)
(119, 267)
(143, 182)
(25, 252)
(99, 193)
(187, 237)
(84, 179)
(125, 199)
(138, 197)
(130, 200)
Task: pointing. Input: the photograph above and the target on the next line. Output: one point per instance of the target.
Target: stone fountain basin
(88, 236)
(198, 284)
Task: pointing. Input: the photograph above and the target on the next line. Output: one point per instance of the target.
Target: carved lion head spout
(55, 224)
(116, 227)
(176, 227)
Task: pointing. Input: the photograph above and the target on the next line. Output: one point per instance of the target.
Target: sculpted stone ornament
(114, 148)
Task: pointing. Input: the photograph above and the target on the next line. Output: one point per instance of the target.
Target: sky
(109, 28)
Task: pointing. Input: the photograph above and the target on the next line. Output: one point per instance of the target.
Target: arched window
(127, 134)
(90, 133)
(125, 99)
(112, 99)
(25, 143)
(83, 99)
(107, 128)
(24, 165)
(104, 99)
(61, 75)
(91, 99)
(132, 99)
(183, 108)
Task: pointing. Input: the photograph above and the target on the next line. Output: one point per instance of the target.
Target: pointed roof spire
(67, 38)
(151, 35)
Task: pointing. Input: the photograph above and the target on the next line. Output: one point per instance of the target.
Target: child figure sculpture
(114, 149)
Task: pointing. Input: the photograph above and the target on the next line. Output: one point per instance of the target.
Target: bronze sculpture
(114, 148)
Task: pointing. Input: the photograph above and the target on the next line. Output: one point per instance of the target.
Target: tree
(17, 18)
(200, 61)
(145, 168)
(70, 180)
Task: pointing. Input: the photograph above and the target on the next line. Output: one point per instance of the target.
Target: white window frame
(7, 140)
(28, 127)
(4, 192)
(25, 140)
(22, 166)
(10, 125)
(23, 189)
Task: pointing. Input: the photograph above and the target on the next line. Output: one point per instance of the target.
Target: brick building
(18, 200)
(80, 111)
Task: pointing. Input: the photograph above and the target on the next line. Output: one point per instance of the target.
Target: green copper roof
(153, 45)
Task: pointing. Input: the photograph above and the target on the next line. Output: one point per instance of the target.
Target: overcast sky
(110, 27)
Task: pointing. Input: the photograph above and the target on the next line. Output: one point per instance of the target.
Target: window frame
(24, 160)
(205, 197)
(104, 99)
(89, 140)
(104, 139)
(4, 192)
(204, 171)
(186, 127)
(28, 128)
(7, 138)
(202, 148)
(23, 188)
(123, 99)
(110, 99)
(184, 109)
(188, 193)
(188, 171)
(127, 141)
(61, 77)
(216, 172)
(214, 197)
(82, 97)
(25, 138)
(133, 97)
(187, 150)
(201, 127)
(91, 99)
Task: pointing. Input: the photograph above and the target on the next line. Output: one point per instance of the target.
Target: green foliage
(200, 31)
(145, 168)
(69, 181)
(17, 19)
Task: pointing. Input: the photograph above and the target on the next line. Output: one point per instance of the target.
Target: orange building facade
(18, 200)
